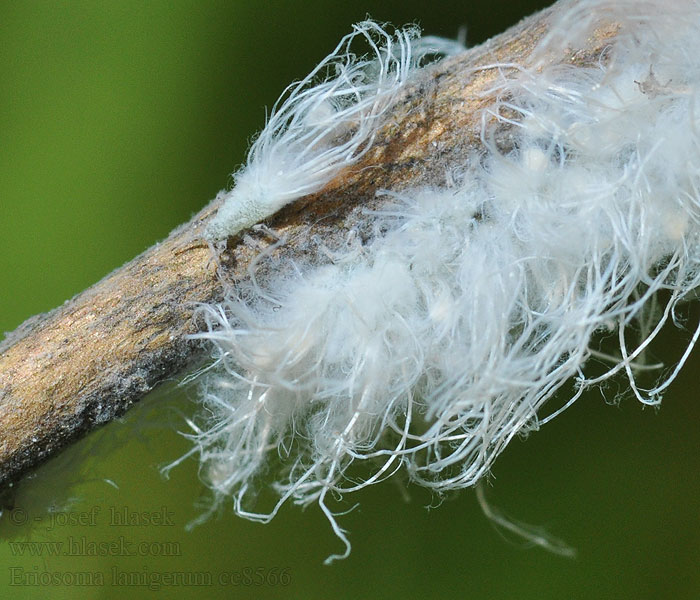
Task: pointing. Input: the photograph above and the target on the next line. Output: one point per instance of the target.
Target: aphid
(324, 123)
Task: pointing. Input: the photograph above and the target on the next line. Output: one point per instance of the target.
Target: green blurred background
(120, 119)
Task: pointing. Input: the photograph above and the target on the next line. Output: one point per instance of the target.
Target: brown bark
(79, 366)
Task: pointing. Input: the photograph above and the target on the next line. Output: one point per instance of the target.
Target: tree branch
(69, 371)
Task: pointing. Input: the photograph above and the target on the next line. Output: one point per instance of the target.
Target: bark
(79, 366)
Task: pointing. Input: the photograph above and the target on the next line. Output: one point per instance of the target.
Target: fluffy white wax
(432, 346)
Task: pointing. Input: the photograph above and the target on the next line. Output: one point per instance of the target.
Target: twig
(79, 366)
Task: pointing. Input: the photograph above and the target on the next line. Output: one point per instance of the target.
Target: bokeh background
(118, 120)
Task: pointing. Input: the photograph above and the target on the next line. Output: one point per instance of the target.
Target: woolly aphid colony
(443, 338)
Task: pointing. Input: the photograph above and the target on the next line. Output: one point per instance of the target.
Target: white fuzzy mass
(434, 345)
